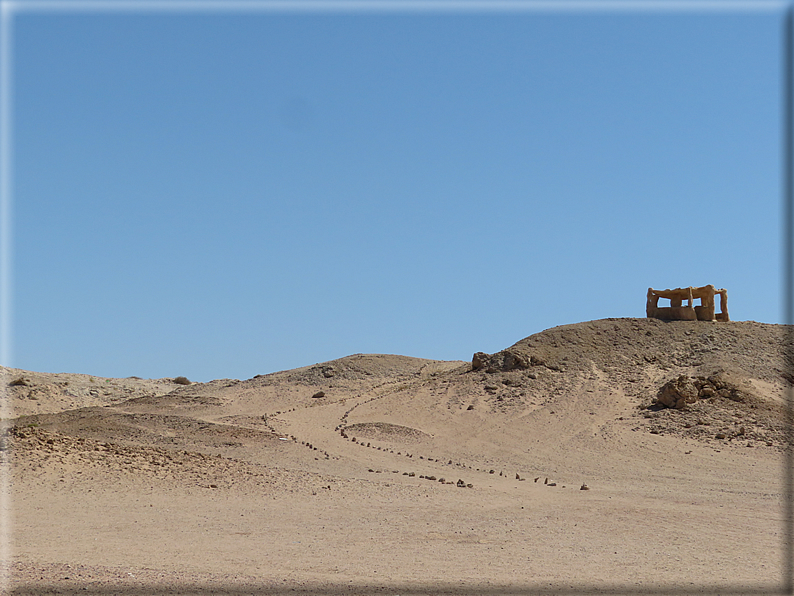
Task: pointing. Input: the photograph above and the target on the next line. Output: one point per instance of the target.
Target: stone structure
(682, 304)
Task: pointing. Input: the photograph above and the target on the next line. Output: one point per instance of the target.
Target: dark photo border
(8, 9)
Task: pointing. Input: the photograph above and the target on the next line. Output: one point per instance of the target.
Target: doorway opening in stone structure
(719, 303)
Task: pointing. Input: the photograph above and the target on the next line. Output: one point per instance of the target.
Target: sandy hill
(361, 442)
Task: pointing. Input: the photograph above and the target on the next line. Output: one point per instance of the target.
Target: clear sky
(224, 194)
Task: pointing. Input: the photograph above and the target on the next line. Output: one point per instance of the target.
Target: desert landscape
(610, 456)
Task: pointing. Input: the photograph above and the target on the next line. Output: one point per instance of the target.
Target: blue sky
(225, 194)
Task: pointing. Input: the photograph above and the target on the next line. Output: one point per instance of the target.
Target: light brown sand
(258, 487)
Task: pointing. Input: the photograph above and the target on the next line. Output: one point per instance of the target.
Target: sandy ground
(409, 475)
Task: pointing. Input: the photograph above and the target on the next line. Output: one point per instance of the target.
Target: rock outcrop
(678, 393)
(684, 390)
(500, 362)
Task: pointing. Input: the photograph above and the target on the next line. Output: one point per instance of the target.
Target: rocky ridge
(723, 380)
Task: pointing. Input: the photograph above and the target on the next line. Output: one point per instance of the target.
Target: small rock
(584, 487)
(319, 394)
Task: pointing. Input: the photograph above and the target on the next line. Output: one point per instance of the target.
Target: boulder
(479, 360)
(677, 393)
(684, 390)
(500, 362)
(729, 385)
